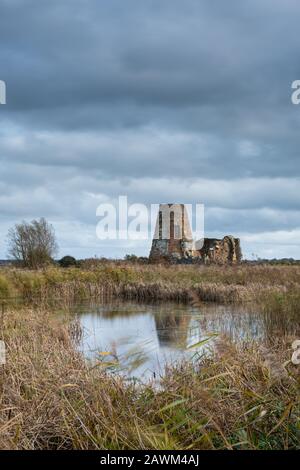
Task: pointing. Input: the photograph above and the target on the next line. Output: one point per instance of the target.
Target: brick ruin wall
(214, 251)
(173, 242)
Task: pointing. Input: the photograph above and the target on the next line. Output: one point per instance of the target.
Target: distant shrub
(67, 261)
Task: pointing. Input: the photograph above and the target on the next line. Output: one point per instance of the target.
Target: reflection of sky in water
(146, 337)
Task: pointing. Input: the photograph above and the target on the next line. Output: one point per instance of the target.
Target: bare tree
(33, 244)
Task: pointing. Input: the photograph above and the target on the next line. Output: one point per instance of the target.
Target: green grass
(148, 282)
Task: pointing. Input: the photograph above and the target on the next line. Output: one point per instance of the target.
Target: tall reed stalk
(242, 397)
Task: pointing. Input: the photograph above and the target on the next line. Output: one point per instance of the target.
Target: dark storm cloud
(171, 54)
(157, 100)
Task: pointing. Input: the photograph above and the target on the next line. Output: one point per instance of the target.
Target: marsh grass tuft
(146, 282)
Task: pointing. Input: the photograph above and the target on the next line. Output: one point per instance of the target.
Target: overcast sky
(162, 101)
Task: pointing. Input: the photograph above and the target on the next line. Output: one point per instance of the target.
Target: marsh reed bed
(242, 396)
(151, 282)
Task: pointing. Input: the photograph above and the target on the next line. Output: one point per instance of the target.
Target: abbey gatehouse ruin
(173, 241)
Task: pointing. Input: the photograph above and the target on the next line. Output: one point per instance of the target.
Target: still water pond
(140, 339)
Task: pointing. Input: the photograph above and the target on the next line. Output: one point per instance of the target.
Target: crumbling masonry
(173, 241)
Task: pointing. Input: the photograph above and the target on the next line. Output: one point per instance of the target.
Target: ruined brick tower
(173, 240)
(173, 234)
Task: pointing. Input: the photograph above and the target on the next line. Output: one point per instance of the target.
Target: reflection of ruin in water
(162, 333)
(178, 325)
